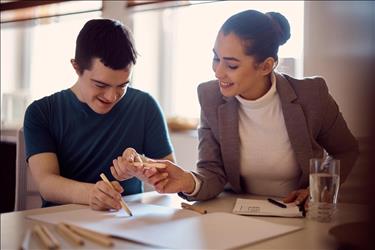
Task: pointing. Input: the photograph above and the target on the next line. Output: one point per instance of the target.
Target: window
(35, 56)
(175, 47)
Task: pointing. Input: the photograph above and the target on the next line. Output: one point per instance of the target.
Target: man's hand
(124, 168)
(130, 165)
(104, 197)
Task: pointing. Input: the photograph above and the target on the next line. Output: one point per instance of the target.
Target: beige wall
(339, 45)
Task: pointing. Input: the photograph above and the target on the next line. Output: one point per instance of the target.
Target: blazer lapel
(229, 141)
(296, 126)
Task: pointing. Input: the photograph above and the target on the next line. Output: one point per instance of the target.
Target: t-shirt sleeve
(157, 141)
(37, 133)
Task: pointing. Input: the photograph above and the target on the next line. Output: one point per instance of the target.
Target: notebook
(265, 208)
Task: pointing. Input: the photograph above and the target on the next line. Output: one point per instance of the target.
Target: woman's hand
(299, 197)
(104, 197)
(171, 179)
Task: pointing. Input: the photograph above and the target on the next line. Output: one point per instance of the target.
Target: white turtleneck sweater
(268, 164)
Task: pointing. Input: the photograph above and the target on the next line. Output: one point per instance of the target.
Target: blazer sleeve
(334, 135)
(210, 168)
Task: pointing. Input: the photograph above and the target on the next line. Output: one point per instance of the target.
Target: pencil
(99, 238)
(26, 240)
(143, 162)
(123, 204)
(50, 236)
(150, 165)
(44, 237)
(69, 234)
(193, 208)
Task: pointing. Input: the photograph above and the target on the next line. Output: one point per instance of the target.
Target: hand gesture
(104, 197)
(124, 168)
(171, 179)
(299, 197)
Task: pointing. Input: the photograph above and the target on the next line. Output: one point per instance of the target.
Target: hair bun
(281, 25)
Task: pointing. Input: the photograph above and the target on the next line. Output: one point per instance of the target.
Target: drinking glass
(324, 188)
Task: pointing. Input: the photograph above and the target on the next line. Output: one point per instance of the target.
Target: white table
(314, 235)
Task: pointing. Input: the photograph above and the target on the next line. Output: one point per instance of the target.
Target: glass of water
(324, 188)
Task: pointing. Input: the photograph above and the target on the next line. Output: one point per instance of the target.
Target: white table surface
(314, 235)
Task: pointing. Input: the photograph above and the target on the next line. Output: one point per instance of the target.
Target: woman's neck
(260, 89)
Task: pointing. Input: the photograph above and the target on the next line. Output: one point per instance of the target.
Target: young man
(73, 135)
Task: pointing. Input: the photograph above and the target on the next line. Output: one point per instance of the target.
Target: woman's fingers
(302, 196)
(297, 196)
(160, 186)
(156, 178)
(290, 197)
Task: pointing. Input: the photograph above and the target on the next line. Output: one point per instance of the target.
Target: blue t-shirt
(86, 142)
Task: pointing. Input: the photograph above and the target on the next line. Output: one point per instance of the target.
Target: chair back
(27, 194)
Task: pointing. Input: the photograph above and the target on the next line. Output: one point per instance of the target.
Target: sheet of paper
(173, 228)
(264, 208)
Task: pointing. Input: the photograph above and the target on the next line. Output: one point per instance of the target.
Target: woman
(258, 128)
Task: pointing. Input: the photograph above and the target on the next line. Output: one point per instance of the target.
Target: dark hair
(262, 33)
(108, 40)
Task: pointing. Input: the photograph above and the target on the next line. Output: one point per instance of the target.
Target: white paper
(172, 228)
(265, 208)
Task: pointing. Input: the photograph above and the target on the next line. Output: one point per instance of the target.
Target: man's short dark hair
(106, 39)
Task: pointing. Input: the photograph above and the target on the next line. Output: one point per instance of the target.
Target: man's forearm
(61, 190)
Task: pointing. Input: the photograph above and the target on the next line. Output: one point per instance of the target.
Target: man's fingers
(130, 154)
(99, 205)
(138, 158)
(105, 197)
(106, 190)
(114, 173)
(117, 186)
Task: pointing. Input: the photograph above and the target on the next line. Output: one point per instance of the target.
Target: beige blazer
(312, 118)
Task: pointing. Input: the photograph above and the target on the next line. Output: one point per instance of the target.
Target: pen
(275, 202)
(122, 202)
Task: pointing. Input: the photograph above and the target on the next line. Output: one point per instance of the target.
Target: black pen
(275, 202)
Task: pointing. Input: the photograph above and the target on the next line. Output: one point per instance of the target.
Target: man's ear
(75, 66)
(267, 66)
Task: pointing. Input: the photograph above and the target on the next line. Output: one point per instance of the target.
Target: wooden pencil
(150, 165)
(144, 162)
(123, 204)
(44, 237)
(50, 236)
(193, 208)
(69, 234)
(99, 238)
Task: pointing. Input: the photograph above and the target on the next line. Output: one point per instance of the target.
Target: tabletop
(314, 235)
